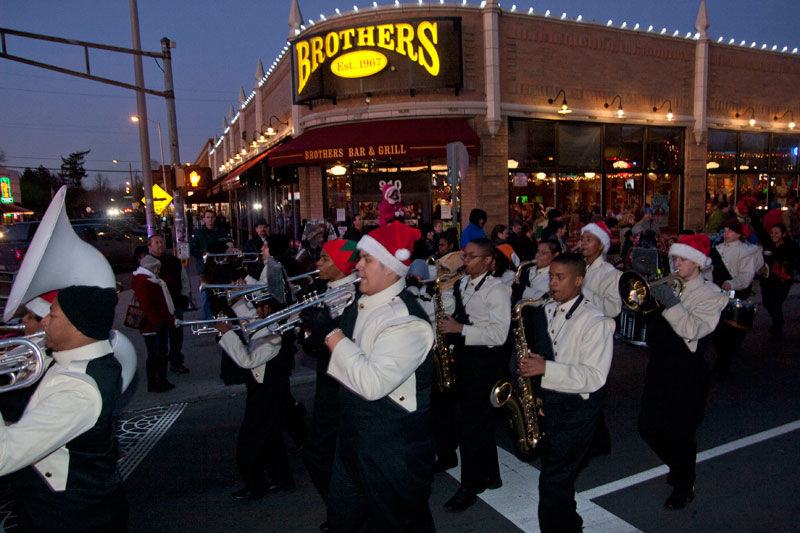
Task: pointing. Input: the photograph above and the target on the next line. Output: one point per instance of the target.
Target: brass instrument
(636, 291)
(443, 353)
(246, 257)
(521, 401)
(12, 328)
(23, 367)
(285, 319)
(522, 266)
(205, 327)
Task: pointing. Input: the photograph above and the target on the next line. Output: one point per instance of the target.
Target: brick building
(584, 116)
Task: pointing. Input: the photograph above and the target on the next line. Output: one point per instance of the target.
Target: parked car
(115, 238)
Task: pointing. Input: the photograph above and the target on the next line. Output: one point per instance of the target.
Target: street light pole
(134, 118)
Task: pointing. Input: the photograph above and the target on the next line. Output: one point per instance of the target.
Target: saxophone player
(479, 312)
(574, 368)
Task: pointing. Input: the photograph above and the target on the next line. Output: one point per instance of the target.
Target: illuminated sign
(355, 152)
(194, 178)
(388, 57)
(5, 190)
(161, 199)
(359, 64)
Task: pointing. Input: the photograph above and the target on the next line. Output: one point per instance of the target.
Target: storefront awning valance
(15, 209)
(384, 139)
(238, 171)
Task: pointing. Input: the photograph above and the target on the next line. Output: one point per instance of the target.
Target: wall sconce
(270, 130)
(564, 109)
(670, 116)
(620, 112)
(752, 121)
(368, 99)
(791, 118)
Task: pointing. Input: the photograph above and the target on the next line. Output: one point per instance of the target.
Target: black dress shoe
(324, 526)
(494, 483)
(179, 369)
(280, 487)
(248, 494)
(463, 498)
(679, 499)
(443, 465)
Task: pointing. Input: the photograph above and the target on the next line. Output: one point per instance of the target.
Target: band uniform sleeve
(261, 349)
(62, 408)
(495, 332)
(396, 353)
(606, 297)
(584, 369)
(745, 271)
(696, 320)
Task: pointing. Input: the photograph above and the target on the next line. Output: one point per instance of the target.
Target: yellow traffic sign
(161, 199)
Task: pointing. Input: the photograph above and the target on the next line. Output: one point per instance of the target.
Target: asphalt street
(749, 446)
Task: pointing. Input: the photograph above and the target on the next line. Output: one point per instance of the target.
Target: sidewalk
(202, 357)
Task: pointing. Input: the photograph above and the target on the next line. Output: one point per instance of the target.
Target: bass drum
(739, 314)
(632, 328)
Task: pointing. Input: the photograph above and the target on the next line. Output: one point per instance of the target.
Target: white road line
(518, 499)
(647, 475)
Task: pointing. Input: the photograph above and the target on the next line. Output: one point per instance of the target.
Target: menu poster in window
(520, 180)
(661, 210)
(446, 213)
(340, 215)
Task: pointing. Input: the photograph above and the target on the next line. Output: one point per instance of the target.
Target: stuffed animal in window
(391, 207)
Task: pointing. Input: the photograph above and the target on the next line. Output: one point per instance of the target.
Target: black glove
(665, 295)
(313, 346)
(318, 321)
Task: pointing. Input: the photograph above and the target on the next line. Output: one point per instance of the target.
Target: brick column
(490, 191)
(694, 183)
(310, 185)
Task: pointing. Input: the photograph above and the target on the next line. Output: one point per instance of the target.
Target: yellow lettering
(366, 36)
(347, 37)
(303, 66)
(385, 32)
(428, 42)
(317, 55)
(405, 35)
(331, 44)
(350, 152)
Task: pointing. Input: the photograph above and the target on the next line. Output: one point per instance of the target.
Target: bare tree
(100, 183)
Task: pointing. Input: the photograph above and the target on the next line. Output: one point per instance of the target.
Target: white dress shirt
(387, 346)
(66, 404)
(539, 283)
(582, 347)
(489, 310)
(262, 347)
(601, 287)
(698, 312)
(742, 260)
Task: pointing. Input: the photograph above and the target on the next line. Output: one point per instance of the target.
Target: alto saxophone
(521, 401)
(443, 360)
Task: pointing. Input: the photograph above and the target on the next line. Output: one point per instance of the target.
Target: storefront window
(662, 193)
(754, 151)
(719, 188)
(442, 195)
(782, 187)
(579, 194)
(721, 150)
(531, 144)
(579, 146)
(784, 152)
(624, 195)
(528, 189)
(623, 147)
(755, 185)
(664, 149)
(338, 194)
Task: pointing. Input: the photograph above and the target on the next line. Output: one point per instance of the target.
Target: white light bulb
(580, 18)
(650, 27)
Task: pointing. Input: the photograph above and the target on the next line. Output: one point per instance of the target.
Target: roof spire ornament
(295, 19)
(702, 24)
(259, 70)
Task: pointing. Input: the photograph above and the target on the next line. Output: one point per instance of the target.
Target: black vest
(93, 498)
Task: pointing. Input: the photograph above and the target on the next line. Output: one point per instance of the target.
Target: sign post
(457, 166)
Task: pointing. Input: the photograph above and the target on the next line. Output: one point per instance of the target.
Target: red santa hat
(343, 253)
(695, 248)
(40, 306)
(391, 245)
(601, 231)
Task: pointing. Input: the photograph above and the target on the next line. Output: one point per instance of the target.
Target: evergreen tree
(72, 174)
(37, 187)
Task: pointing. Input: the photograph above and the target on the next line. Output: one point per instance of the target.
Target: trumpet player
(381, 356)
(479, 314)
(336, 266)
(269, 359)
(676, 381)
(576, 342)
(63, 450)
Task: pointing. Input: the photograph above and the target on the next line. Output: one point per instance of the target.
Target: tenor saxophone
(443, 360)
(520, 400)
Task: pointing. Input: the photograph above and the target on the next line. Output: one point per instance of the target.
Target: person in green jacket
(203, 237)
(715, 220)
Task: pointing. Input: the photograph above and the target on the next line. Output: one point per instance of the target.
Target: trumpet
(636, 291)
(24, 367)
(310, 275)
(12, 328)
(204, 327)
(337, 299)
(246, 257)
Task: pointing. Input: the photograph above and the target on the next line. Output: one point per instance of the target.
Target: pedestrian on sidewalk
(203, 238)
(156, 303)
(173, 273)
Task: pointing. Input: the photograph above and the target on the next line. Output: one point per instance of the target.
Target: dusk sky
(45, 115)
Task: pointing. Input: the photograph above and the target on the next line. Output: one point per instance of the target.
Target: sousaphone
(57, 258)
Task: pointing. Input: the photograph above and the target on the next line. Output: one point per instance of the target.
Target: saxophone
(521, 401)
(443, 360)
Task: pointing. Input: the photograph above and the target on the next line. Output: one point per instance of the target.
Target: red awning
(238, 171)
(15, 209)
(383, 139)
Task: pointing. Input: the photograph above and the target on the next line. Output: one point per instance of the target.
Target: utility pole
(141, 109)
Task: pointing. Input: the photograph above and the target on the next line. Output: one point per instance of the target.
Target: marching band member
(269, 357)
(676, 381)
(573, 359)
(601, 287)
(735, 265)
(336, 266)
(63, 450)
(538, 278)
(274, 275)
(381, 355)
(479, 310)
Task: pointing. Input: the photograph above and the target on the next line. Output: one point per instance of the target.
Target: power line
(100, 95)
(86, 169)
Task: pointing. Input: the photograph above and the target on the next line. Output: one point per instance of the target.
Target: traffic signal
(195, 177)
